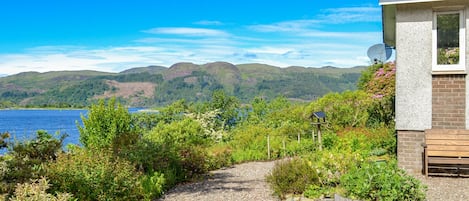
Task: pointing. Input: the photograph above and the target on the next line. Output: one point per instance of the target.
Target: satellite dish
(379, 53)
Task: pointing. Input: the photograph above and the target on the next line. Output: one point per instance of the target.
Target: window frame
(450, 68)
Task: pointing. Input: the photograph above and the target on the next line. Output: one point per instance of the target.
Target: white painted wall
(413, 67)
(414, 62)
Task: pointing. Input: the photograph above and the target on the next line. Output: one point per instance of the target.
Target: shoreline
(39, 108)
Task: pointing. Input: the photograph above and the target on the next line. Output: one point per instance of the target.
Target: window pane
(448, 38)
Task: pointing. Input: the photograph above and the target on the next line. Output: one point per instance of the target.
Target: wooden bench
(446, 148)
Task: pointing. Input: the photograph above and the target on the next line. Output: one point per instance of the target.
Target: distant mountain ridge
(158, 85)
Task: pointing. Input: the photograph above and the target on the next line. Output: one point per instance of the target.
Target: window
(449, 42)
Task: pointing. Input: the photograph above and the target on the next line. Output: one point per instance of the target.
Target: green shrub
(176, 149)
(380, 82)
(181, 133)
(367, 75)
(193, 161)
(378, 140)
(227, 106)
(3, 137)
(378, 181)
(330, 165)
(347, 109)
(107, 124)
(95, 175)
(26, 160)
(150, 156)
(318, 191)
(250, 143)
(145, 121)
(219, 156)
(329, 140)
(36, 191)
(291, 177)
(153, 185)
(293, 148)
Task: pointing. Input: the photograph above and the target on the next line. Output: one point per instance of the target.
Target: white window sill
(449, 72)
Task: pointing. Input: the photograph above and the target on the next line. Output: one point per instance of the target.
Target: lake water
(23, 124)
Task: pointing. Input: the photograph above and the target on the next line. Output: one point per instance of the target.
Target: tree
(228, 106)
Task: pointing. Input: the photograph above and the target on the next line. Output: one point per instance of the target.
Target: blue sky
(112, 36)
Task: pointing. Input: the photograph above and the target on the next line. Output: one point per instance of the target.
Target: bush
(107, 124)
(149, 156)
(153, 185)
(219, 156)
(176, 149)
(145, 121)
(348, 109)
(26, 160)
(3, 138)
(36, 191)
(95, 175)
(375, 141)
(179, 133)
(380, 82)
(331, 165)
(377, 181)
(291, 177)
(193, 161)
(250, 143)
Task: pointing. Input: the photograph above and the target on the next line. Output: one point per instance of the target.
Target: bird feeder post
(318, 116)
(319, 137)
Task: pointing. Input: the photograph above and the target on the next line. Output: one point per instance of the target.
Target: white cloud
(120, 58)
(73, 59)
(270, 50)
(299, 43)
(327, 17)
(345, 37)
(352, 14)
(285, 26)
(209, 22)
(187, 31)
(185, 41)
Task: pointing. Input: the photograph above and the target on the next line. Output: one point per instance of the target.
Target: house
(430, 39)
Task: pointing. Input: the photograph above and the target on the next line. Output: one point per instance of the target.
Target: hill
(157, 85)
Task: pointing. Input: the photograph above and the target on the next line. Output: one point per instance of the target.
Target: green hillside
(156, 85)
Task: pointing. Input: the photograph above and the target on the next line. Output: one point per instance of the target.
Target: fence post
(319, 137)
(284, 148)
(268, 147)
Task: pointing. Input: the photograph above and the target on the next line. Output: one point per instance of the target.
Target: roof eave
(389, 25)
(383, 2)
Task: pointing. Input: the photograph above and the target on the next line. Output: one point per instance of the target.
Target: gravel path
(247, 182)
(446, 188)
(241, 182)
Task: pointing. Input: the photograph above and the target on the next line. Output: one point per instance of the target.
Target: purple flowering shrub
(383, 82)
(380, 82)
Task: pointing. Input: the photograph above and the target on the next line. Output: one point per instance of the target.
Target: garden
(141, 155)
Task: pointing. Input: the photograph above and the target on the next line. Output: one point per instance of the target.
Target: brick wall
(449, 101)
(409, 151)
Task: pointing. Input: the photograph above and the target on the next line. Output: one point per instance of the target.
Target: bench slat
(447, 131)
(447, 142)
(447, 148)
(442, 136)
(448, 153)
(437, 160)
